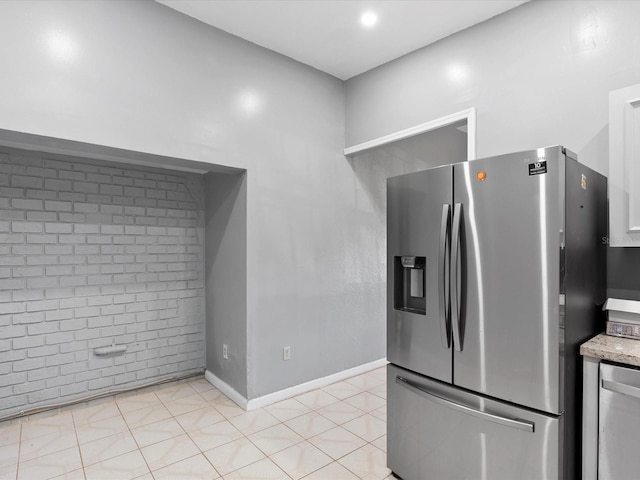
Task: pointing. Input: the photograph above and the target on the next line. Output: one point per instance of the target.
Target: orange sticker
(481, 175)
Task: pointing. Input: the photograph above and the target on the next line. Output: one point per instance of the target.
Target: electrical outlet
(225, 351)
(286, 353)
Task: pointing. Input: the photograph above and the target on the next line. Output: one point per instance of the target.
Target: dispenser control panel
(409, 280)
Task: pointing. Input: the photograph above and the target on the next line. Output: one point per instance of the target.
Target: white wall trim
(227, 389)
(275, 397)
(469, 115)
(290, 392)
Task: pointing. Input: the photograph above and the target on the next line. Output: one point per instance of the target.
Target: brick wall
(93, 253)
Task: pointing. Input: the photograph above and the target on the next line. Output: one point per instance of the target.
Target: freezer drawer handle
(621, 388)
(443, 273)
(508, 422)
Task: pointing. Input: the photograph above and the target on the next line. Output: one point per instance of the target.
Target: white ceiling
(327, 34)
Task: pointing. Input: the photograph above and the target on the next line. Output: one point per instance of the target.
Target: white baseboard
(227, 389)
(280, 395)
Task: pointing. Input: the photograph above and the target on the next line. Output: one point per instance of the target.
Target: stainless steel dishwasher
(619, 423)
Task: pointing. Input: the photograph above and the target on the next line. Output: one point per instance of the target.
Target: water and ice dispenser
(409, 280)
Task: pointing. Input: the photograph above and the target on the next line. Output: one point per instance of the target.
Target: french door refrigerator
(496, 272)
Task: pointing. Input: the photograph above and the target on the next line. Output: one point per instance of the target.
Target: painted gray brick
(77, 239)
(79, 265)
(58, 293)
(58, 185)
(44, 351)
(86, 187)
(29, 317)
(72, 281)
(146, 221)
(12, 379)
(59, 270)
(72, 368)
(72, 324)
(26, 182)
(117, 180)
(39, 394)
(60, 380)
(84, 312)
(55, 315)
(112, 310)
(26, 227)
(99, 321)
(86, 208)
(124, 240)
(27, 342)
(27, 271)
(11, 283)
(101, 300)
(58, 227)
(112, 289)
(11, 238)
(60, 337)
(71, 348)
(42, 305)
(87, 291)
(110, 189)
(71, 217)
(97, 177)
(39, 216)
(45, 238)
(58, 206)
(72, 197)
(100, 383)
(28, 364)
(58, 249)
(132, 218)
(42, 328)
(43, 194)
(60, 358)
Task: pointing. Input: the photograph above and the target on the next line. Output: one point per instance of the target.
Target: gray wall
(93, 253)
(138, 76)
(538, 75)
(226, 277)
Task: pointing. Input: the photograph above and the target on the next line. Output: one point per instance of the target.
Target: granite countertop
(616, 349)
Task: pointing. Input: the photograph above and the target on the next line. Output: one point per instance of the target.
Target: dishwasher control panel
(621, 329)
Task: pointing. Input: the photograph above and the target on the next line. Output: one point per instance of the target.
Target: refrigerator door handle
(621, 388)
(507, 422)
(453, 277)
(443, 276)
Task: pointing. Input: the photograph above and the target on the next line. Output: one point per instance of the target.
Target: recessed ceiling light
(369, 19)
(61, 46)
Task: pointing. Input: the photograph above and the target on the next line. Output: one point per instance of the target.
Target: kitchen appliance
(623, 318)
(619, 423)
(496, 271)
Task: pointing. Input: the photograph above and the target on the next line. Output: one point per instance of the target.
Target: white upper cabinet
(624, 167)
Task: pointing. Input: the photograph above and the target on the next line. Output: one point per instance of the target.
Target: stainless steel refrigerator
(496, 274)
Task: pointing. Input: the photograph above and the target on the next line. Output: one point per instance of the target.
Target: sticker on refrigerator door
(583, 181)
(537, 168)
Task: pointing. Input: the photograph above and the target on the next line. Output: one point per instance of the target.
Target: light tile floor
(191, 430)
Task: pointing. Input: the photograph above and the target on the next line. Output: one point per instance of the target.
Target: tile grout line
(245, 436)
(75, 431)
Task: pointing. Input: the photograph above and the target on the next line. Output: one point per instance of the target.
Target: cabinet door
(624, 167)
